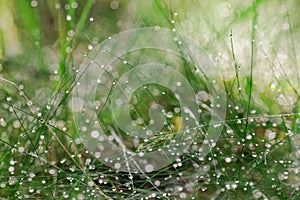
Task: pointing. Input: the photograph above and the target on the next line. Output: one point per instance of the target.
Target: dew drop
(74, 5)
(34, 3)
(90, 47)
(117, 165)
(257, 194)
(57, 6)
(68, 18)
(228, 160)
(149, 168)
(90, 183)
(11, 169)
(182, 195)
(67, 6)
(285, 26)
(95, 134)
(21, 149)
(114, 5)
(52, 171)
(157, 182)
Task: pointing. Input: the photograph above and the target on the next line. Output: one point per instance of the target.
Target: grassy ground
(254, 45)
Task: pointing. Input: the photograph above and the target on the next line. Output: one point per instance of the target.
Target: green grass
(256, 156)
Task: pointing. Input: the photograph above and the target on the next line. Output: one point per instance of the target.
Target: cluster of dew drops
(184, 190)
(180, 189)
